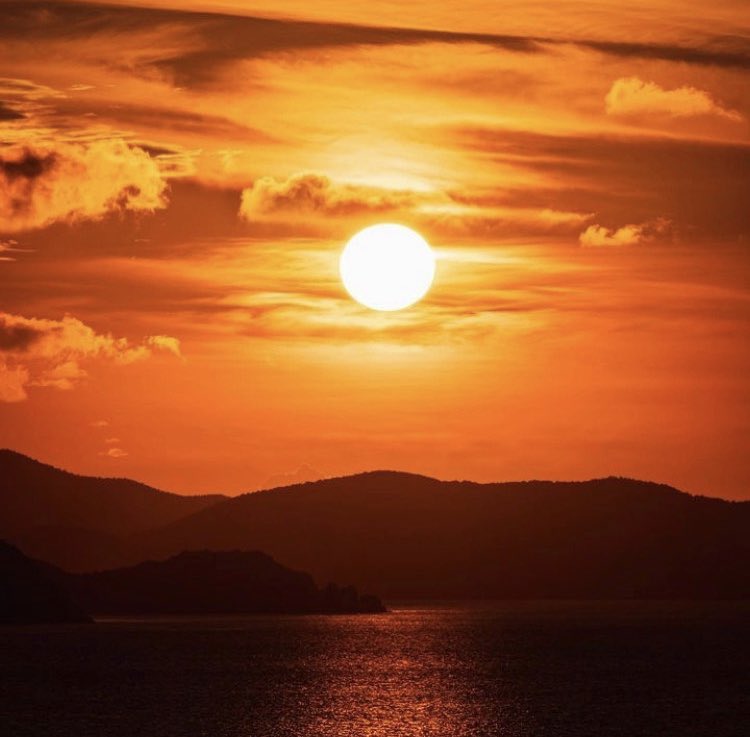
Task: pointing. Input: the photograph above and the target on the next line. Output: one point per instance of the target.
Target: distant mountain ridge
(409, 536)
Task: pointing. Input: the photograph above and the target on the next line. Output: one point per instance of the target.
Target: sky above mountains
(177, 180)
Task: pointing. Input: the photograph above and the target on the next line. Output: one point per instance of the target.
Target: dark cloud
(15, 336)
(28, 165)
(8, 113)
(722, 52)
(215, 39)
(181, 121)
(250, 37)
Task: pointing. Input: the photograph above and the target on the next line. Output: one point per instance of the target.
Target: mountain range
(402, 535)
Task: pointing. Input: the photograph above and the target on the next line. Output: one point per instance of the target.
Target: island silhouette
(33, 592)
(191, 583)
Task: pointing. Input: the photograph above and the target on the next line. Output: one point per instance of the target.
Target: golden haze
(172, 214)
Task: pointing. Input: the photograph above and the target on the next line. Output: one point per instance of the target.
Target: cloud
(62, 376)
(23, 90)
(633, 96)
(165, 116)
(700, 184)
(50, 353)
(489, 221)
(9, 113)
(195, 45)
(9, 248)
(448, 213)
(114, 453)
(302, 475)
(164, 343)
(629, 235)
(191, 47)
(315, 193)
(13, 381)
(44, 183)
(337, 320)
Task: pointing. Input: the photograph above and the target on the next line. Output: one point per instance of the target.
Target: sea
(448, 669)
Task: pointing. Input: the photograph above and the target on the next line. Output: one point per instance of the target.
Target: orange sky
(177, 180)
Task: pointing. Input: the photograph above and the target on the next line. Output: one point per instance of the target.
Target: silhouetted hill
(76, 521)
(404, 535)
(78, 548)
(214, 583)
(411, 536)
(31, 592)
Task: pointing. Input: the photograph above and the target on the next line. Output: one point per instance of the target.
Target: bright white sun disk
(387, 267)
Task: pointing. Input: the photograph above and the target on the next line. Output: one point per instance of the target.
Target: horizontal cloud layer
(316, 193)
(444, 213)
(212, 40)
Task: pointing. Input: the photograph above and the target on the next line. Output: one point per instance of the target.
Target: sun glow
(387, 267)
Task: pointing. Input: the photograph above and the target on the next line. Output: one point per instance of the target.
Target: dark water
(512, 669)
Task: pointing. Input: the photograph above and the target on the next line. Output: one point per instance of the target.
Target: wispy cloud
(443, 213)
(627, 235)
(316, 194)
(625, 178)
(633, 96)
(199, 43)
(9, 250)
(114, 453)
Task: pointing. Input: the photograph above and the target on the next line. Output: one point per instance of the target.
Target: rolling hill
(205, 582)
(76, 521)
(409, 536)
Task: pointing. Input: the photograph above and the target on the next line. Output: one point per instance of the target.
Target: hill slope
(402, 535)
(32, 593)
(205, 582)
(410, 536)
(74, 520)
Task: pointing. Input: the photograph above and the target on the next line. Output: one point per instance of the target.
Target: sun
(387, 267)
